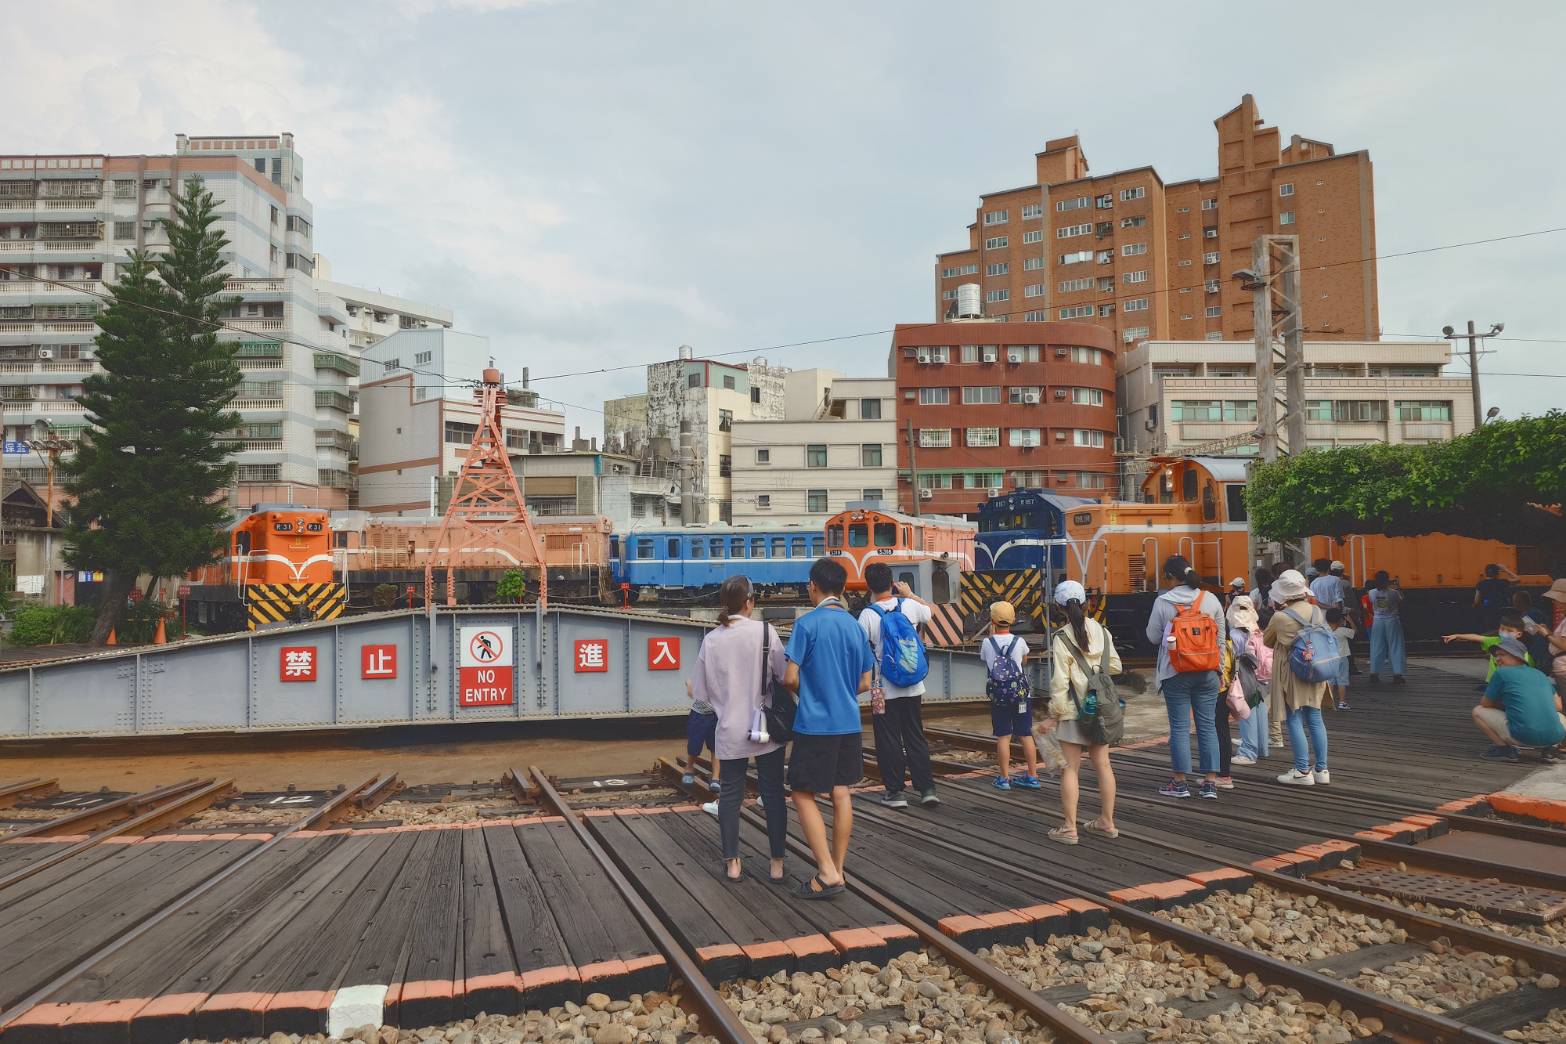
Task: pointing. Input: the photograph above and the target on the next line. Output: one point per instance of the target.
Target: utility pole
(913, 470)
(1474, 337)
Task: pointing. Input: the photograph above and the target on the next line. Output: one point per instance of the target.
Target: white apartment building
(707, 398)
(836, 446)
(1177, 395)
(417, 418)
(66, 225)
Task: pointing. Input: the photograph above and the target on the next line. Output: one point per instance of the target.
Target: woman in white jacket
(1068, 686)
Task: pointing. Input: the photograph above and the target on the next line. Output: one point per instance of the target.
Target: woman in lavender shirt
(729, 677)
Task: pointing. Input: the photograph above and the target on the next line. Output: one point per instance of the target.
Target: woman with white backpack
(1082, 657)
(1303, 662)
(1252, 676)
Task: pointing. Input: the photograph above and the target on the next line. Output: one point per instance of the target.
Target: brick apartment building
(1149, 260)
(1002, 406)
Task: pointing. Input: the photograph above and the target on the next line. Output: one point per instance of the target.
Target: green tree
(148, 477)
(1506, 481)
(512, 586)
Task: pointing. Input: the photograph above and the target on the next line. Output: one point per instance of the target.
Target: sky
(592, 183)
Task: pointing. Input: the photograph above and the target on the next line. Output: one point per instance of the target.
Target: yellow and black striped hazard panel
(945, 627)
(267, 604)
(1020, 587)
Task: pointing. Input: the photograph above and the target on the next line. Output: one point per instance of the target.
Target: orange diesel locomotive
(1195, 506)
(861, 535)
(277, 568)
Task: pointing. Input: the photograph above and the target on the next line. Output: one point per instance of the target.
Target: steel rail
(714, 1013)
(378, 793)
(333, 807)
(1044, 1012)
(517, 781)
(171, 811)
(1421, 926)
(1406, 1019)
(107, 812)
(27, 788)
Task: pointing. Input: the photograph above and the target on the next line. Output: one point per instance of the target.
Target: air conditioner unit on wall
(1031, 398)
(1014, 356)
(1060, 393)
(995, 491)
(46, 353)
(1060, 436)
(924, 355)
(1061, 353)
(927, 494)
(990, 355)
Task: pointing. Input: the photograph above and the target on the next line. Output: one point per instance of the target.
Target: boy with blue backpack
(1011, 708)
(891, 623)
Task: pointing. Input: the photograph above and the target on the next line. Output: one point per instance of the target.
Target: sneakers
(1026, 782)
(1226, 782)
(928, 798)
(688, 779)
(1209, 790)
(1241, 759)
(1375, 679)
(1322, 776)
(1001, 783)
(1295, 778)
(713, 785)
(711, 808)
(1548, 755)
(894, 799)
(1343, 705)
(1175, 788)
(1503, 754)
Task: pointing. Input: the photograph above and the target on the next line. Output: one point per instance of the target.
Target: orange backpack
(1193, 644)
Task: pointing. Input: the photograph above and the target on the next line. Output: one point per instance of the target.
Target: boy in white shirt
(900, 745)
(1343, 630)
(1014, 716)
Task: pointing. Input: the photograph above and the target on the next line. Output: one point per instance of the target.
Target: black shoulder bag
(777, 704)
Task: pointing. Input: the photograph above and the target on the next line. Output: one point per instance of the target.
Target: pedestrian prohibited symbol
(485, 646)
(486, 675)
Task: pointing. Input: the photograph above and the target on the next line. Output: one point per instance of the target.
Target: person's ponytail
(732, 596)
(1191, 578)
(1078, 620)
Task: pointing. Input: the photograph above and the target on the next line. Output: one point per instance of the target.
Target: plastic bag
(1051, 757)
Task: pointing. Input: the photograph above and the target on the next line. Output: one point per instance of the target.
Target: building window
(1213, 411)
(983, 479)
(997, 217)
(260, 472)
(1071, 286)
(1033, 290)
(1035, 317)
(1133, 222)
(1214, 335)
(755, 394)
(725, 420)
(982, 437)
(1133, 333)
(1132, 193)
(1090, 356)
(1063, 205)
(725, 468)
(1136, 304)
(997, 295)
(815, 456)
(693, 380)
(996, 243)
(930, 481)
(1076, 256)
(870, 455)
(1032, 210)
(1023, 394)
(1286, 218)
(763, 501)
(764, 456)
(999, 268)
(422, 357)
(935, 438)
(1209, 233)
(981, 395)
(874, 495)
(1022, 436)
(728, 382)
(1104, 202)
(869, 409)
(1209, 204)
(1087, 437)
(125, 230)
(1087, 396)
(1214, 311)
(1032, 264)
(949, 295)
(1286, 189)
(1184, 235)
(1136, 277)
(1424, 411)
(1078, 311)
(1025, 479)
(1088, 480)
(959, 270)
(1211, 286)
(934, 396)
(460, 434)
(1068, 231)
(1359, 411)
(1210, 258)
(1133, 249)
(816, 501)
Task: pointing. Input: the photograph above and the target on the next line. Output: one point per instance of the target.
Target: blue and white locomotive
(1025, 529)
(696, 559)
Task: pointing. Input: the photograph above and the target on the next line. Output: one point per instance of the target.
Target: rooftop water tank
(968, 301)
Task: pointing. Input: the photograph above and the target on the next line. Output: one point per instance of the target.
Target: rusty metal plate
(1503, 902)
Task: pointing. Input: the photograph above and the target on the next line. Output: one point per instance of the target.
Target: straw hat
(1557, 591)
(1289, 586)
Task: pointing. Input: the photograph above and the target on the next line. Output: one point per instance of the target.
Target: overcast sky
(592, 183)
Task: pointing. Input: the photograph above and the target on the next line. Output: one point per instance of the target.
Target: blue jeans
(1196, 691)
(1253, 732)
(1386, 646)
(1298, 721)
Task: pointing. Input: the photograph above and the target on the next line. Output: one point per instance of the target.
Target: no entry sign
(486, 669)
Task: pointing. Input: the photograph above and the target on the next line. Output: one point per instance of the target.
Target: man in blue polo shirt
(1520, 707)
(829, 664)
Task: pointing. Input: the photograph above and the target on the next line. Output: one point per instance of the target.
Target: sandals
(727, 878)
(1097, 826)
(1064, 836)
(808, 889)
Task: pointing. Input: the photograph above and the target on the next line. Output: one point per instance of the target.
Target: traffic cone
(111, 640)
(160, 636)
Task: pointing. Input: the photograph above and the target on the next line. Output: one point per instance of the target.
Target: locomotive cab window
(908, 536)
(241, 543)
(1188, 485)
(1234, 499)
(886, 534)
(834, 536)
(1209, 504)
(859, 535)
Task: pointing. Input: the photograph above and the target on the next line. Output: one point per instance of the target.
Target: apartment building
(418, 413)
(592, 482)
(704, 397)
(66, 225)
(996, 406)
(836, 445)
(1178, 395)
(1151, 260)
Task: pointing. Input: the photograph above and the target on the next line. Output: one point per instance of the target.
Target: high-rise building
(67, 223)
(685, 421)
(999, 406)
(1150, 260)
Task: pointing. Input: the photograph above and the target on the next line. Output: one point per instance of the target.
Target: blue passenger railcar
(697, 559)
(1024, 529)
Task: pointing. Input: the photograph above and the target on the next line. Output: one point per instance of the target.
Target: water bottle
(1090, 705)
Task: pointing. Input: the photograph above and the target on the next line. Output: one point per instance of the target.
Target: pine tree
(148, 477)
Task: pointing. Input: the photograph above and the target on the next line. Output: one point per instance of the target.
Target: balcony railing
(46, 406)
(258, 404)
(341, 364)
(330, 438)
(331, 400)
(255, 286)
(334, 478)
(256, 324)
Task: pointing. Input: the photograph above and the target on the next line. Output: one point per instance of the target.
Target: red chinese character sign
(591, 656)
(296, 663)
(486, 671)
(378, 662)
(663, 654)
